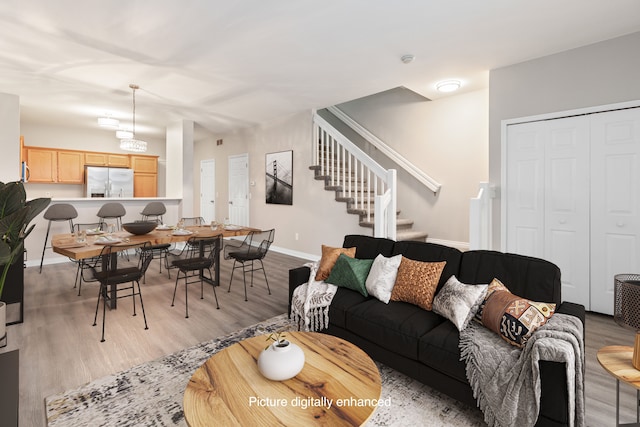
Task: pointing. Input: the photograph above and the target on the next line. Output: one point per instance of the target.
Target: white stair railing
(371, 187)
(480, 218)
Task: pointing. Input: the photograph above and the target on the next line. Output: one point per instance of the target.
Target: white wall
(598, 74)
(9, 137)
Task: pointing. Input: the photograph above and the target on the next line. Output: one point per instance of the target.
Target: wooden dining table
(67, 245)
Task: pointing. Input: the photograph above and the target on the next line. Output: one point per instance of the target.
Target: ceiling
(231, 64)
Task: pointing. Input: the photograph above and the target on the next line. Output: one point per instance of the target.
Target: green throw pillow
(350, 273)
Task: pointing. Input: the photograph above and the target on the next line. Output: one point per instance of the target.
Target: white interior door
(547, 195)
(208, 190)
(615, 202)
(524, 190)
(239, 189)
(567, 205)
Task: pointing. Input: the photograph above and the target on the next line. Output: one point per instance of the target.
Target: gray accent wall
(599, 74)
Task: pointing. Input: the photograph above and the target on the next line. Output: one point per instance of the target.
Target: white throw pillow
(382, 277)
(458, 301)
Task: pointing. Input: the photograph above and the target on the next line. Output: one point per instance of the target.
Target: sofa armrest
(297, 276)
(572, 309)
(553, 380)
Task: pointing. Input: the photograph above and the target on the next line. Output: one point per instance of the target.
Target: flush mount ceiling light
(448, 85)
(133, 144)
(108, 122)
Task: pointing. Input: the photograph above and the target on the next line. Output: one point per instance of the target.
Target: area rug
(151, 394)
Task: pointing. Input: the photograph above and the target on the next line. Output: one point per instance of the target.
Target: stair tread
(400, 222)
(412, 235)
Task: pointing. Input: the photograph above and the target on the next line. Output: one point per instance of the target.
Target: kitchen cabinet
(54, 166)
(145, 184)
(144, 164)
(145, 175)
(118, 160)
(42, 164)
(106, 159)
(70, 167)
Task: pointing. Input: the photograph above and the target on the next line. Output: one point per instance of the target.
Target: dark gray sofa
(424, 345)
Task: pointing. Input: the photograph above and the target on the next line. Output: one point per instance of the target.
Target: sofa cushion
(531, 278)
(432, 252)
(350, 273)
(343, 301)
(514, 318)
(382, 277)
(397, 326)
(368, 247)
(458, 301)
(329, 257)
(417, 282)
(439, 350)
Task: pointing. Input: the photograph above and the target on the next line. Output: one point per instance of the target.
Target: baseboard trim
(296, 254)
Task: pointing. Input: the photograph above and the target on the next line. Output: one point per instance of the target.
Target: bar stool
(112, 210)
(153, 211)
(58, 212)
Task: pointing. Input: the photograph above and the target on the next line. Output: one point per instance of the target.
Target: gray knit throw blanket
(506, 379)
(310, 302)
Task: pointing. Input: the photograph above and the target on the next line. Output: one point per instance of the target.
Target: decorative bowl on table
(140, 227)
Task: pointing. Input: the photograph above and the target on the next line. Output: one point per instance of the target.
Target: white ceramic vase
(281, 361)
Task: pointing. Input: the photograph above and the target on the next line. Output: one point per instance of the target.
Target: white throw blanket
(310, 302)
(506, 380)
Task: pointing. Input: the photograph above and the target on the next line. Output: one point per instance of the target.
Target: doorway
(239, 189)
(208, 190)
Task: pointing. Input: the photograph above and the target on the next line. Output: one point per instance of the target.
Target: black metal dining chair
(111, 276)
(199, 256)
(86, 263)
(253, 249)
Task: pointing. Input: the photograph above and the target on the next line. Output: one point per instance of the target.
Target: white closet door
(566, 207)
(525, 188)
(615, 202)
(548, 198)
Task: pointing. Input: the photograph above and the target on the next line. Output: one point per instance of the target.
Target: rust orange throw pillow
(329, 257)
(417, 282)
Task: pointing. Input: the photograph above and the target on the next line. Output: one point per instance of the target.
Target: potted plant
(15, 215)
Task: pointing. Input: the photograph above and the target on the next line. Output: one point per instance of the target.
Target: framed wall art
(279, 178)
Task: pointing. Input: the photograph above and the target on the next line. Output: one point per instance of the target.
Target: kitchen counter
(87, 209)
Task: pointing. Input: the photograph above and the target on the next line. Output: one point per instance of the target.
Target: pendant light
(133, 144)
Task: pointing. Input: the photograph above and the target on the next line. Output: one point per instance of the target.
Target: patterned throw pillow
(417, 282)
(329, 257)
(458, 301)
(515, 319)
(382, 277)
(350, 273)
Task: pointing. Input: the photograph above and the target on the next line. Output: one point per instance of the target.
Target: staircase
(357, 180)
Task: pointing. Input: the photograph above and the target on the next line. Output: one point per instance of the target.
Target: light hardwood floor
(61, 350)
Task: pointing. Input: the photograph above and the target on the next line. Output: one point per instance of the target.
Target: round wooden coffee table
(339, 385)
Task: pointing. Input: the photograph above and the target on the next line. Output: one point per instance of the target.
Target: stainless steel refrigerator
(108, 182)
